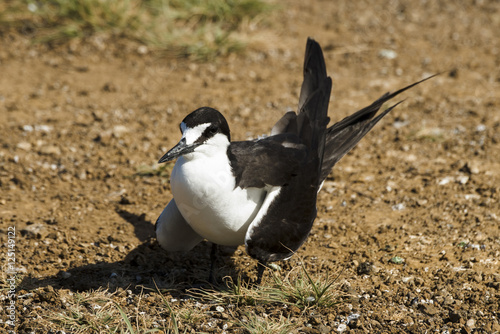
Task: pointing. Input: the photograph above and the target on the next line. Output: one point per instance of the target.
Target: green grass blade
(125, 319)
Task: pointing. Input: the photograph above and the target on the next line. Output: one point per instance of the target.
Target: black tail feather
(344, 135)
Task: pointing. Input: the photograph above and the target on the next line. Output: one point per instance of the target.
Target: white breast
(204, 190)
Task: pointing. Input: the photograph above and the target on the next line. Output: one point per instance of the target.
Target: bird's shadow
(146, 266)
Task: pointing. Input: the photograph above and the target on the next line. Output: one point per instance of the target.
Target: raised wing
(314, 76)
(288, 212)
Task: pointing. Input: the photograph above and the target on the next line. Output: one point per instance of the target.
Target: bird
(263, 192)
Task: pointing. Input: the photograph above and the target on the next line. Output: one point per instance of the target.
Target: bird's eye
(211, 130)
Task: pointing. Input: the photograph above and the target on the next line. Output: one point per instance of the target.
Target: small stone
(310, 299)
(110, 88)
(342, 328)
(33, 231)
(364, 268)
(24, 146)
(495, 327)
(44, 128)
(119, 130)
(454, 317)
(82, 68)
(274, 266)
(428, 309)
(463, 179)
(27, 128)
(421, 202)
(324, 329)
(397, 260)
(471, 323)
(445, 180)
(389, 248)
(387, 54)
(142, 50)
(398, 207)
(65, 274)
(104, 137)
(407, 279)
(481, 128)
(353, 317)
(50, 150)
(315, 320)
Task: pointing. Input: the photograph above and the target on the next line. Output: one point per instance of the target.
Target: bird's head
(204, 127)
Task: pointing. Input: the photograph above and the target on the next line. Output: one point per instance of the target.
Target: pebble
(353, 317)
(463, 179)
(429, 133)
(28, 128)
(445, 180)
(454, 317)
(480, 128)
(397, 260)
(428, 309)
(119, 130)
(388, 54)
(50, 150)
(274, 266)
(44, 128)
(65, 274)
(24, 146)
(398, 207)
(34, 231)
(310, 299)
(142, 50)
(324, 329)
(341, 328)
(407, 279)
(364, 268)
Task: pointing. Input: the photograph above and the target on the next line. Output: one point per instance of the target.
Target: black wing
(271, 161)
(314, 76)
(288, 212)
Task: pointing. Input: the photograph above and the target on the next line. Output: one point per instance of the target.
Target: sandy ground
(409, 219)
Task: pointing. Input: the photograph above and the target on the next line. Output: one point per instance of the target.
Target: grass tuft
(100, 312)
(200, 29)
(298, 289)
(304, 291)
(257, 324)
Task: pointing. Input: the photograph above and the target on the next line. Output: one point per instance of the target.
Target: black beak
(178, 150)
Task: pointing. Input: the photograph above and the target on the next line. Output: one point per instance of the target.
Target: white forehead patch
(192, 134)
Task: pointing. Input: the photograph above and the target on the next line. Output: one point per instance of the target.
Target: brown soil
(410, 218)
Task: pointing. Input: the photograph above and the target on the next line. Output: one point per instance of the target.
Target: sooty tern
(261, 193)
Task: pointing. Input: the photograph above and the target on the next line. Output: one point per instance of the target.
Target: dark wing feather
(314, 71)
(314, 76)
(344, 135)
(287, 214)
(271, 161)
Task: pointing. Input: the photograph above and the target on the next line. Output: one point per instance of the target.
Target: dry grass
(200, 29)
(230, 308)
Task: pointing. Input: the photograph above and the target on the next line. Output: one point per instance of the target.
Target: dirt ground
(410, 219)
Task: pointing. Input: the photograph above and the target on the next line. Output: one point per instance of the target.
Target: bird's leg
(213, 259)
(261, 266)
